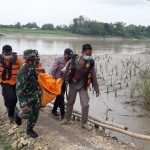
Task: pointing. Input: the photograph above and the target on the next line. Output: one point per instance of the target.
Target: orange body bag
(49, 86)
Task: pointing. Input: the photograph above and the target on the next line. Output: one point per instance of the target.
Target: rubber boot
(62, 114)
(54, 112)
(12, 118)
(32, 133)
(62, 117)
(18, 120)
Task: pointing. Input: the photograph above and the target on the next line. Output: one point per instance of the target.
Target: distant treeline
(85, 26)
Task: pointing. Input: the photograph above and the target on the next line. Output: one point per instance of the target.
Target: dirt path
(53, 136)
(72, 136)
(1, 148)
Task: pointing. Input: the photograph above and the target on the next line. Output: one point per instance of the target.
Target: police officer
(79, 81)
(9, 65)
(28, 92)
(60, 63)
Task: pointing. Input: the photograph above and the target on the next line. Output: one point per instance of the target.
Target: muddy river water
(128, 114)
(56, 45)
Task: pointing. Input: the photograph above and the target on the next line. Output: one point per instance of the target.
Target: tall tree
(48, 27)
(18, 25)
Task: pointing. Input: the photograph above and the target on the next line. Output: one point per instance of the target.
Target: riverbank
(45, 34)
(64, 37)
(36, 31)
(118, 103)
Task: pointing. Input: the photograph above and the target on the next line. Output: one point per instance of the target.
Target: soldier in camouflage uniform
(28, 93)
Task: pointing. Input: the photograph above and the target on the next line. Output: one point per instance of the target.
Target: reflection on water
(57, 45)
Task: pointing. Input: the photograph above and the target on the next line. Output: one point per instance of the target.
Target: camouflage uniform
(28, 92)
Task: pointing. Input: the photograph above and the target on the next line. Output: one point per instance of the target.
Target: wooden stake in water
(107, 89)
(115, 92)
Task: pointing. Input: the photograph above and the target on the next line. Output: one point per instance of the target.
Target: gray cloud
(62, 12)
(123, 2)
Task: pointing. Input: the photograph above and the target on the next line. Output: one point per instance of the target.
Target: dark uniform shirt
(80, 84)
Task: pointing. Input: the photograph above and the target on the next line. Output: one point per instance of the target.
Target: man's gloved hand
(41, 70)
(63, 69)
(25, 109)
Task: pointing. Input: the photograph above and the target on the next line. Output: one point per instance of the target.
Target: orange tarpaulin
(49, 86)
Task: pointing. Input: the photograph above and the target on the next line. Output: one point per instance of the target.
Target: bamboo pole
(101, 121)
(135, 135)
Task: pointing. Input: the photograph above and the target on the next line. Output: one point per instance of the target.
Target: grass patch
(6, 145)
(143, 87)
(6, 141)
(37, 31)
(142, 83)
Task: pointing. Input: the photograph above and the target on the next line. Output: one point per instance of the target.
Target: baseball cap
(68, 51)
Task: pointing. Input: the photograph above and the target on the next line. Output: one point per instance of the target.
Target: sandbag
(49, 86)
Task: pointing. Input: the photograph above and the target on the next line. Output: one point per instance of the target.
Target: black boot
(54, 110)
(62, 117)
(17, 118)
(62, 114)
(55, 113)
(32, 133)
(12, 118)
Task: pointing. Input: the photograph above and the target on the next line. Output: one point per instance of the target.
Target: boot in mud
(32, 133)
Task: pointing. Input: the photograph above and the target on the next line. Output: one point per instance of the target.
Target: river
(56, 45)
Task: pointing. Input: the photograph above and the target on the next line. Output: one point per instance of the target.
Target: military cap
(36, 52)
(29, 53)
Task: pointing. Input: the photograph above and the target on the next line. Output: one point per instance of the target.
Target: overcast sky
(63, 11)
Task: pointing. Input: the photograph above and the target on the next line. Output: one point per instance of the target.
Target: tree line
(85, 26)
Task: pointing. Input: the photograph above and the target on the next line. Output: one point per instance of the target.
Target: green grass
(57, 32)
(145, 88)
(5, 144)
(37, 31)
(142, 85)
(53, 32)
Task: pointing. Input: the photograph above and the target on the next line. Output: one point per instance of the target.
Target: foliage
(62, 27)
(142, 83)
(36, 31)
(48, 27)
(30, 25)
(86, 26)
(143, 86)
(18, 25)
(144, 89)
